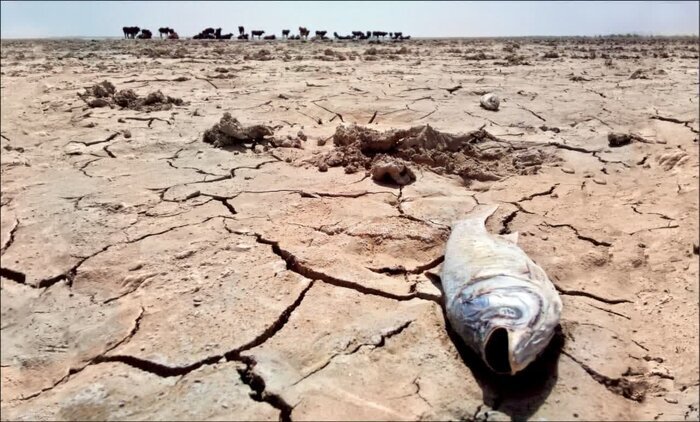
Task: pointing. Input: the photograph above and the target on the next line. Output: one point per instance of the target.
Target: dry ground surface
(149, 275)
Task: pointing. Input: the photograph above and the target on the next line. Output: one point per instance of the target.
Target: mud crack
(532, 112)
(89, 143)
(301, 268)
(94, 360)
(629, 389)
(401, 270)
(377, 343)
(11, 237)
(580, 236)
(590, 295)
(259, 392)
(685, 123)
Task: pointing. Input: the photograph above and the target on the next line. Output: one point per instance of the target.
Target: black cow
(321, 34)
(257, 33)
(342, 37)
(130, 31)
(285, 33)
(269, 37)
(145, 35)
(167, 31)
(243, 37)
(303, 32)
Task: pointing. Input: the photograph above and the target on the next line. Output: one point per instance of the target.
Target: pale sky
(420, 19)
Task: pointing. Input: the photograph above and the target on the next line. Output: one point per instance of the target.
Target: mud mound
(104, 94)
(229, 131)
(476, 155)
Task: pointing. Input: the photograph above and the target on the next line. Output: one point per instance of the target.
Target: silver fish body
(497, 299)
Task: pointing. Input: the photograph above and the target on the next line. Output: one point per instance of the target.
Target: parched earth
(147, 274)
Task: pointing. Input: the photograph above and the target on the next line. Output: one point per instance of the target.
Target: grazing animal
(395, 35)
(243, 37)
(379, 34)
(207, 34)
(500, 302)
(341, 37)
(173, 35)
(226, 36)
(145, 34)
(217, 33)
(285, 33)
(131, 31)
(241, 30)
(321, 34)
(269, 37)
(257, 33)
(165, 31)
(303, 32)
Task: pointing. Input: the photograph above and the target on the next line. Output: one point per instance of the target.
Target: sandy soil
(147, 274)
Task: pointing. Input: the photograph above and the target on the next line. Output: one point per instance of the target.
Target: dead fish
(498, 300)
(490, 101)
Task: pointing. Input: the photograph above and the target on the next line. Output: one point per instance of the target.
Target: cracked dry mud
(148, 275)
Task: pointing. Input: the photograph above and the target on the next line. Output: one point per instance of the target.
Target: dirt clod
(229, 131)
(476, 155)
(396, 171)
(105, 95)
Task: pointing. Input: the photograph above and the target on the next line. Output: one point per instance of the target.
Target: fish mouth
(497, 351)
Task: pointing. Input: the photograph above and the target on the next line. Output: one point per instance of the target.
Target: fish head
(511, 322)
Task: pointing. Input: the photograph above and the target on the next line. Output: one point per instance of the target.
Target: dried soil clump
(476, 155)
(229, 131)
(106, 95)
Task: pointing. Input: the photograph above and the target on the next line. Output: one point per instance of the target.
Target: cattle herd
(215, 34)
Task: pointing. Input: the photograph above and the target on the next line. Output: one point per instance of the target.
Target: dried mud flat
(149, 275)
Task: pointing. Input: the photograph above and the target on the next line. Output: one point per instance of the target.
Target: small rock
(619, 139)
(568, 170)
(490, 101)
(98, 102)
(135, 267)
(127, 133)
(192, 195)
(323, 167)
(73, 149)
(301, 136)
(600, 181)
(183, 255)
(242, 247)
(321, 142)
(259, 149)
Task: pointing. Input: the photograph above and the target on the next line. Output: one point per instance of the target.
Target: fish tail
(481, 213)
(476, 218)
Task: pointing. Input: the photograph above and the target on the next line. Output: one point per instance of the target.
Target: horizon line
(628, 35)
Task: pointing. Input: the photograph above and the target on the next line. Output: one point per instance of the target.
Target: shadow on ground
(520, 395)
